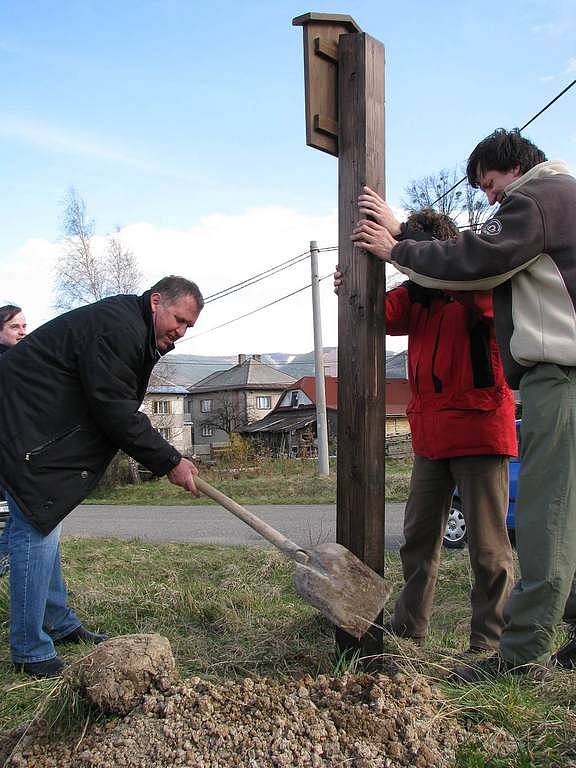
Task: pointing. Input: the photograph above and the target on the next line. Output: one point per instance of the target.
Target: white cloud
(217, 252)
(553, 28)
(55, 138)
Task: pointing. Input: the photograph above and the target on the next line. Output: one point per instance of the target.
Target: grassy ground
(274, 482)
(231, 611)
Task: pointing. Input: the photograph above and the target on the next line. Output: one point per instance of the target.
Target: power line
(445, 194)
(301, 257)
(252, 312)
(257, 278)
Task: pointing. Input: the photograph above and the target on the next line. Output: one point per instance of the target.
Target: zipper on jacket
(48, 443)
(436, 382)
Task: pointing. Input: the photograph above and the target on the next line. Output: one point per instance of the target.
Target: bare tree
(226, 417)
(435, 191)
(442, 192)
(123, 272)
(476, 207)
(82, 276)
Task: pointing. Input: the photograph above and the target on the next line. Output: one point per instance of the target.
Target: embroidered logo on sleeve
(492, 227)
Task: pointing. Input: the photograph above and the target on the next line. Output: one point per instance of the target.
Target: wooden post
(344, 78)
(361, 320)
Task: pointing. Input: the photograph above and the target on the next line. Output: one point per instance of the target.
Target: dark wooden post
(344, 76)
(361, 319)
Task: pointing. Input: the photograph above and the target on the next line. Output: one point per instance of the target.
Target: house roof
(164, 389)
(251, 374)
(278, 421)
(308, 385)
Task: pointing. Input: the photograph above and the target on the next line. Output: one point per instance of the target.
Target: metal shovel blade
(328, 576)
(343, 588)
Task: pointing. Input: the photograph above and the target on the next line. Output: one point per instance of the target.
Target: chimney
(258, 358)
(241, 359)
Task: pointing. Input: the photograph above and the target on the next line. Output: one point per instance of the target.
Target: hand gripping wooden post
(358, 141)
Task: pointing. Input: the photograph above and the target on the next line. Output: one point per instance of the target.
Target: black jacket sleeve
(511, 241)
(109, 371)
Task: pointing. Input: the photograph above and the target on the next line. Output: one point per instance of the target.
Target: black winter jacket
(70, 394)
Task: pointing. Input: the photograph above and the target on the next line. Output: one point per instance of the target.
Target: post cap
(326, 18)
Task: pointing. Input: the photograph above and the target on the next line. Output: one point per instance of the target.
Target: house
(166, 406)
(290, 429)
(227, 401)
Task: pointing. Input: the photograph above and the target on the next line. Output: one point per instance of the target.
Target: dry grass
(270, 482)
(232, 611)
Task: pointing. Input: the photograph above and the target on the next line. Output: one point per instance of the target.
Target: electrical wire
(257, 278)
(445, 194)
(305, 255)
(252, 312)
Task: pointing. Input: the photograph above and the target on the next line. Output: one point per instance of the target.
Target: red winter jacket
(461, 404)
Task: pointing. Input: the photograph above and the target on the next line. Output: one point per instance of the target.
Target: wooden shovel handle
(270, 534)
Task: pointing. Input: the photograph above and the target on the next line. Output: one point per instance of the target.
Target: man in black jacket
(70, 394)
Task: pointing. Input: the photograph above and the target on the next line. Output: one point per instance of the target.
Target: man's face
(13, 330)
(493, 183)
(171, 321)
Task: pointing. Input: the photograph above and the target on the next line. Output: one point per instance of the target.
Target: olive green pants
(483, 485)
(545, 515)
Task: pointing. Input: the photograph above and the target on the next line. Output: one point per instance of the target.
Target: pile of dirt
(368, 721)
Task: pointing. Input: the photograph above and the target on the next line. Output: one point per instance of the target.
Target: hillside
(185, 370)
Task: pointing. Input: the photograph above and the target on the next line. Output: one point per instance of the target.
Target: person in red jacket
(462, 419)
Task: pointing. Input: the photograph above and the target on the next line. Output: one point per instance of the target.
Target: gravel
(357, 720)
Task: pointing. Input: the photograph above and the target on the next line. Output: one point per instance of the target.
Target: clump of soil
(117, 673)
(368, 721)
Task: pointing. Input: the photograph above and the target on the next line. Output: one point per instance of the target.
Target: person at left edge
(12, 330)
(70, 394)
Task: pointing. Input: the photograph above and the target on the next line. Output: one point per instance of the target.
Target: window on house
(207, 430)
(263, 402)
(187, 405)
(165, 432)
(294, 398)
(161, 406)
(206, 406)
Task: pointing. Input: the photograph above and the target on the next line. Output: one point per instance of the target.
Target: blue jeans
(39, 613)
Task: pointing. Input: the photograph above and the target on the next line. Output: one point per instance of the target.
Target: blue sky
(182, 123)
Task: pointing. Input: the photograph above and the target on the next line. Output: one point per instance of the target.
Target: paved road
(213, 525)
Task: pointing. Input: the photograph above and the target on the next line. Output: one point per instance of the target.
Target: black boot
(49, 668)
(565, 656)
(81, 635)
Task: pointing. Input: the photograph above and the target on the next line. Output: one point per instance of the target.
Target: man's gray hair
(173, 288)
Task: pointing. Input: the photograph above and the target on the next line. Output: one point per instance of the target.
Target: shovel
(328, 576)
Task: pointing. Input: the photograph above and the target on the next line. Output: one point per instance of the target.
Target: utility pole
(321, 420)
(344, 79)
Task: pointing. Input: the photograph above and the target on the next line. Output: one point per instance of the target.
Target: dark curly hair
(502, 151)
(437, 224)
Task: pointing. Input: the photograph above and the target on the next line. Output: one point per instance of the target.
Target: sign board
(321, 34)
